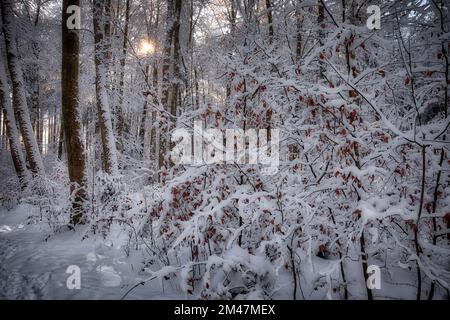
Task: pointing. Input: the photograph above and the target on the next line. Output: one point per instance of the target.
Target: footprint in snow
(5, 228)
(91, 257)
(109, 276)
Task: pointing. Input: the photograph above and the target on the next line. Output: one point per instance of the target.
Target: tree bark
(119, 109)
(71, 114)
(110, 164)
(144, 114)
(36, 111)
(170, 71)
(269, 20)
(11, 128)
(19, 93)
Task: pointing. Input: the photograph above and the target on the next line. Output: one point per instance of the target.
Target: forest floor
(33, 264)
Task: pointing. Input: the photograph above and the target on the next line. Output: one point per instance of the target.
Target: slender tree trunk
(298, 40)
(120, 109)
(416, 229)
(197, 91)
(110, 163)
(108, 32)
(294, 150)
(153, 134)
(3, 133)
(170, 72)
(61, 138)
(232, 12)
(320, 21)
(435, 200)
(352, 73)
(19, 92)
(364, 258)
(36, 111)
(269, 20)
(341, 263)
(144, 114)
(71, 114)
(2, 130)
(176, 77)
(11, 128)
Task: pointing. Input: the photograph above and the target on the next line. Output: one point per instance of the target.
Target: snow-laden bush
(50, 194)
(108, 203)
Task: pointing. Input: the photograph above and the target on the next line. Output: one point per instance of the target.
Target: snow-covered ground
(33, 265)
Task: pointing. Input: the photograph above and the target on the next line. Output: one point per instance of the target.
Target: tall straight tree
(175, 80)
(110, 164)
(71, 113)
(18, 89)
(269, 19)
(119, 109)
(11, 127)
(35, 85)
(170, 69)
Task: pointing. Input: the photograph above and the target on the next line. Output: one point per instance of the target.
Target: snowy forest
(225, 149)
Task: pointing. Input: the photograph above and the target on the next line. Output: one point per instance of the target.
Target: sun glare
(146, 47)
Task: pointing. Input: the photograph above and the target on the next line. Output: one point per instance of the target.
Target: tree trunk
(144, 114)
(320, 21)
(61, 138)
(153, 129)
(110, 164)
(119, 109)
(269, 20)
(19, 92)
(36, 112)
(71, 114)
(108, 32)
(298, 40)
(11, 128)
(170, 71)
(364, 259)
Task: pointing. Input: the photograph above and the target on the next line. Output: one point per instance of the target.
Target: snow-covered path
(32, 267)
